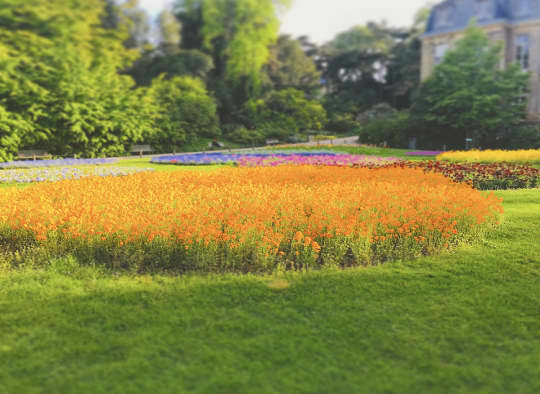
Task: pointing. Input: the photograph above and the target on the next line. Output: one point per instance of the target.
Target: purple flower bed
(55, 163)
(60, 174)
(424, 153)
(228, 158)
(276, 159)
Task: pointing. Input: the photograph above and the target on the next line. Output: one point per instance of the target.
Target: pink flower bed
(322, 160)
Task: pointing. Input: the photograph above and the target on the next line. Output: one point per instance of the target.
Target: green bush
(59, 76)
(283, 113)
(185, 112)
(244, 136)
(526, 136)
(390, 129)
(342, 123)
(9, 134)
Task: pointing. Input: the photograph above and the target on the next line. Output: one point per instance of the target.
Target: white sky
(321, 20)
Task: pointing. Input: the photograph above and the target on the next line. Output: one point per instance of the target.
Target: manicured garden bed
(526, 156)
(247, 219)
(63, 173)
(55, 163)
(493, 176)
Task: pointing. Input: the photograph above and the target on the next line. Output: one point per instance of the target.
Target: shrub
(10, 127)
(342, 123)
(284, 113)
(244, 136)
(390, 129)
(186, 111)
(526, 136)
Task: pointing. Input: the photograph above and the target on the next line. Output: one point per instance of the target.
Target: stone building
(514, 22)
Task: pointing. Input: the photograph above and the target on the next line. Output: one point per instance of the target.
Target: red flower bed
(493, 176)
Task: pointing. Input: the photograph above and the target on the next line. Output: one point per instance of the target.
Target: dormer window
(444, 16)
(483, 9)
(523, 7)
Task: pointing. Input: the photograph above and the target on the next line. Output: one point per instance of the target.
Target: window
(443, 16)
(440, 51)
(522, 51)
(523, 7)
(483, 9)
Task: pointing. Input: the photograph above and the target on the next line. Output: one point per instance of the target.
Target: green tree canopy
(284, 113)
(470, 95)
(62, 79)
(291, 67)
(238, 35)
(185, 111)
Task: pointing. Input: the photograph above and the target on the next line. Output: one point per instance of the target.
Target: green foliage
(370, 38)
(290, 67)
(157, 61)
(242, 135)
(392, 130)
(353, 64)
(342, 123)
(169, 31)
(93, 110)
(403, 70)
(10, 129)
(469, 95)
(525, 136)
(238, 35)
(284, 113)
(63, 78)
(185, 111)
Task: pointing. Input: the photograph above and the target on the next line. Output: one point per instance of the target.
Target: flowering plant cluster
(229, 158)
(55, 163)
(530, 156)
(247, 219)
(275, 158)
(483, 176)
(318, 160)
(63, 173)
(424, 153)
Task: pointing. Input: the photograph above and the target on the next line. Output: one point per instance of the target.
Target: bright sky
(321, 20)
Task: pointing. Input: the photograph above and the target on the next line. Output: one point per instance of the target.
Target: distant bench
(141, 149)
(33, 154)
(272, 142)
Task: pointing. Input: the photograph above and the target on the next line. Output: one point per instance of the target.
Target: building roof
(454, 15)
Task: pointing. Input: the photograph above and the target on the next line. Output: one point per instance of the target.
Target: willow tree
(238, 34)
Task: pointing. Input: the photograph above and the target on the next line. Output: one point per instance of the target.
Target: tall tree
(169, 32)
(290, 67)
(403, 65)
(130, 19)
(469, 95)
(354, 68)
(64, 81)
(238, 35)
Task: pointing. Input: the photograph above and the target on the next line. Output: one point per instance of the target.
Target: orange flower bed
(250, 218)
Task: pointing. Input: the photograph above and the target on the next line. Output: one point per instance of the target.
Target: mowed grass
(466, 322)
(363, 150)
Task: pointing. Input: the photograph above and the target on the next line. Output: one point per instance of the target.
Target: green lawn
(365, 150)
(466, 322)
